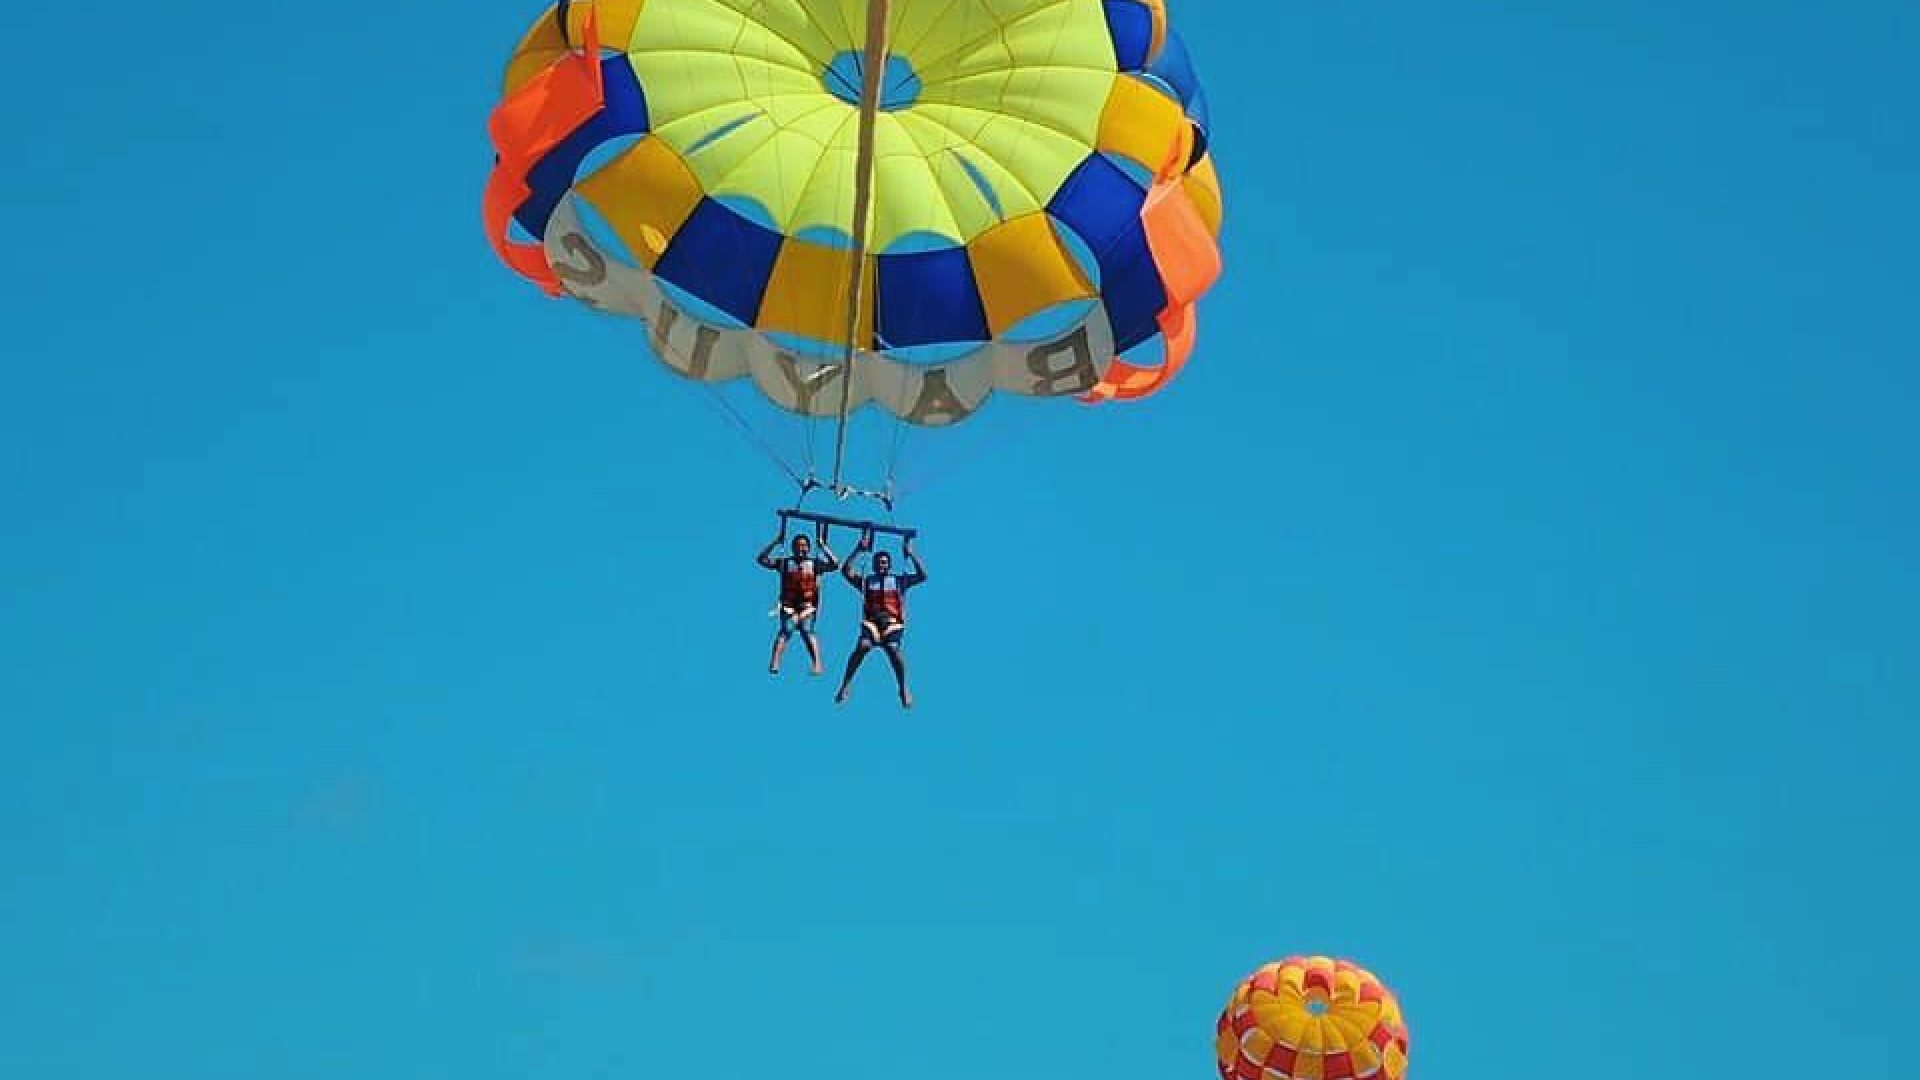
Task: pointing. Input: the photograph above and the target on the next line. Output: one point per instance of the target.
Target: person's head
(882, 563)
(801, 545)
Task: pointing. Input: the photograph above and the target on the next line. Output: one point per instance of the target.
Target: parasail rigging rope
(731, 414)
(874, 62)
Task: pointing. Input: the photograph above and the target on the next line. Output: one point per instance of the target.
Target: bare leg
(779, 650)
(899, 662)
(853, 667)
(813, 650)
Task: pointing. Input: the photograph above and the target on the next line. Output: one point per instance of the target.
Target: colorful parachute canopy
(1311, 1018)
(1043, 209)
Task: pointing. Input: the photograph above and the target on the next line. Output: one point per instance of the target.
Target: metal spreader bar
(849, 523)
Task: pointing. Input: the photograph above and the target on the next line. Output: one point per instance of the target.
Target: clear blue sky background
(1518, 595)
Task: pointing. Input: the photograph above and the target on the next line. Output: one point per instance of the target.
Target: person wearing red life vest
(800, 573)
(883, 612)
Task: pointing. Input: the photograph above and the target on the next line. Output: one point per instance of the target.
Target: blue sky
(1517, 595)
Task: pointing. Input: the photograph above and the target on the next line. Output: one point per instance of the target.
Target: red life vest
(885, 600)
(799, 584)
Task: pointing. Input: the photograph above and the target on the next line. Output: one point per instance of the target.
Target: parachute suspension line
(940, 470)
(715, 398)
(1011, 419)
(902, 430)
(905, 431)
(795, 458)
(811, 451)
(874, 70)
